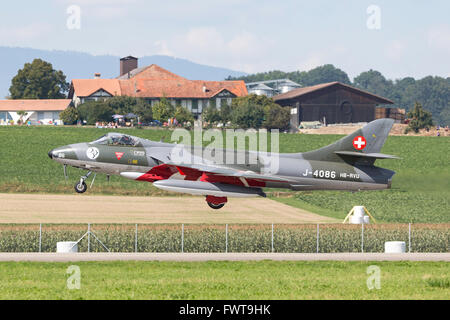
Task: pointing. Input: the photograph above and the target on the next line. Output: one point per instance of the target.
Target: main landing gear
(216, 202)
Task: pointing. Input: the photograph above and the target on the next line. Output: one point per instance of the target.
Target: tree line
(432, 92)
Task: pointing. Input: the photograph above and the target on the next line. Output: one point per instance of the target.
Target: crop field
(225, 280)
(420, 192)
(232, 238)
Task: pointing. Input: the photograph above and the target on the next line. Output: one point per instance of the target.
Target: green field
(225, 280)
(420, 190)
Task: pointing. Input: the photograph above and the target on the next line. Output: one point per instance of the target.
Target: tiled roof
(35, 105)
(146, 88)
(151, 72)
(305, 90)
(156, 82)
(86, 87)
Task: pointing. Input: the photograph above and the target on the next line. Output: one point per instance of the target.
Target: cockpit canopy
(117, 139)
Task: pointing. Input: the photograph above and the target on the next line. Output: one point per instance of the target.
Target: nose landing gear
(81, 187)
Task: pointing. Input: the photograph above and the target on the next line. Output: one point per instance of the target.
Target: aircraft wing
(227, 172)
(163, 157)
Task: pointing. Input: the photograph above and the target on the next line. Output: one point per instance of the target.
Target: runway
(54, 208)
(199, 257)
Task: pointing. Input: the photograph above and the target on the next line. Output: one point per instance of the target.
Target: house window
(5, 116)
(55, 115)
(40, 115)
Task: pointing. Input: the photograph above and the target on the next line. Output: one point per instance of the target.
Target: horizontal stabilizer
(366, 155)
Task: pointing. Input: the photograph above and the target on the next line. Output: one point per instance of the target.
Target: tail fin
(352, 148)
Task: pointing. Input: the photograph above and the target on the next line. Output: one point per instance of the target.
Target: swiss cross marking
(359, 142)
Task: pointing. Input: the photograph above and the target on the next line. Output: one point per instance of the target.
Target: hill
(83, 65)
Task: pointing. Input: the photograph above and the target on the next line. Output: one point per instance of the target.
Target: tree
(420, 118)
(22, 114)
(38, 80)
(374, 82)
(211, 114)
(225, 113)
(321, 74)
(69, 115)
(248, 112)
(122, 104)
(276, 117)
(183, 115)
(434, 93)
(93, 111)
(163, 110)
(143, 109)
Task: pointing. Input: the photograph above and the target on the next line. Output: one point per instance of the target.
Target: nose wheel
(80, 186)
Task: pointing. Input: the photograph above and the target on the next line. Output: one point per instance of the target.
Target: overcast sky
(399, 38)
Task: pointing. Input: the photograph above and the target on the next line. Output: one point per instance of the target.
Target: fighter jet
(347, 164)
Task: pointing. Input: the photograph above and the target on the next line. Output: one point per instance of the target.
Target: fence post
(40, 237)
(136, 239)
(272, 237)
(182, 237)
(362, 237)
(409, 238)
(89, 237)
(317, 243)
(226, 238)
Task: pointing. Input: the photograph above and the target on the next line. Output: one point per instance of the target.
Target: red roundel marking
(359, 142)
(119, 155)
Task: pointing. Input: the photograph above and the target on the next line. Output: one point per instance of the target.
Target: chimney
(127, 64)
(97, 75)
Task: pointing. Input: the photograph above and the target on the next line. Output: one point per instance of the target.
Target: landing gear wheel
(215, 206)
(80, 187)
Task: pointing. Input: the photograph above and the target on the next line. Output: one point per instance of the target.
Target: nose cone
(64, 153)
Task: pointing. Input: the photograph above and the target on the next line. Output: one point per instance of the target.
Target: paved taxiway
(75, 257)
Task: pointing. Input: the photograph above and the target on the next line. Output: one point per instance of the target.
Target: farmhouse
(39, 111)
(332, 102)
(153, 83)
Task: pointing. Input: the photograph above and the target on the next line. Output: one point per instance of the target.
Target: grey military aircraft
(347, 164)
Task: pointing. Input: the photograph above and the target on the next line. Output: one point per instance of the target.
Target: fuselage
(296, 172)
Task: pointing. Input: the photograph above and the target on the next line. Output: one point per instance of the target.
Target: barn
(329, 103)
